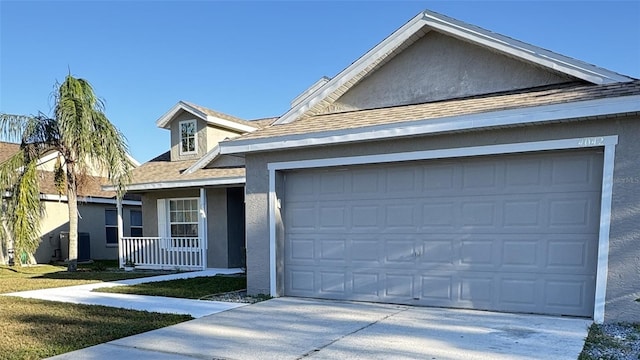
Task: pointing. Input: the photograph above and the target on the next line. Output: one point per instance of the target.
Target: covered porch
(187, 229)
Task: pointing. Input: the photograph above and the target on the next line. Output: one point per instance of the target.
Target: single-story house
(448, 166)
(97, 223)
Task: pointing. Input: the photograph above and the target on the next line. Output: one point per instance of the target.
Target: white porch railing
(164, 253)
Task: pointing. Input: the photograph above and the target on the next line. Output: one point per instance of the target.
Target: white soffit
(428, 20)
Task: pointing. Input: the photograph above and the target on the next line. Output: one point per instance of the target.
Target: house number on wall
(591, 141)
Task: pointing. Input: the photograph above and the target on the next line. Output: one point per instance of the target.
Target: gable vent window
(188, 139)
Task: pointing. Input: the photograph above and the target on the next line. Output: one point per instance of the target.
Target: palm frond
(88, 137)
(12, 126)
(24, 210)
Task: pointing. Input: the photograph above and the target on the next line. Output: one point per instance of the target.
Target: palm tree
(83, 136)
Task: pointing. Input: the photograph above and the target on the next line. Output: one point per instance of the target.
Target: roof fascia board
(523, 50)
(135, 162)
(512, 117)
(206, 159)
(545, 58)
(384, 47)
(232, 125)
(85, 199)
(165, 119)
(182, 184)
(48, 157)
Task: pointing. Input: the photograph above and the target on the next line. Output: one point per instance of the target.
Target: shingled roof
(162, 170)
(472, 105)
(89, 186)
(7, 150)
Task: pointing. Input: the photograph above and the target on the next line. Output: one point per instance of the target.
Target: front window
(111, 226)
(188, 137)
(183, 217)
(136, 223)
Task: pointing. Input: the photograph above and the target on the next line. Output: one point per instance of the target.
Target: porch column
(202, 228)
(120, 232)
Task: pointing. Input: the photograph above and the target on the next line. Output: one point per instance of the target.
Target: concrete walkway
(293, 328)
(83, 294)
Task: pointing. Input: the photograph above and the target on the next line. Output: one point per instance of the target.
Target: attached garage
(516, 233)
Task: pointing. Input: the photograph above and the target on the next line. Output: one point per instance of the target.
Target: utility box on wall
(84, 246)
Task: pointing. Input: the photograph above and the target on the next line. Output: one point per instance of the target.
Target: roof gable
(210, 116)
(416, 28)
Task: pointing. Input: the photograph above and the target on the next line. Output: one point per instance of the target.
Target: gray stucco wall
(92, 221)
(440, 67)
(150, 207)
(217, 255)
(623, 285)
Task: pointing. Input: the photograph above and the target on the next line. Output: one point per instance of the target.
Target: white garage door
(513, 233)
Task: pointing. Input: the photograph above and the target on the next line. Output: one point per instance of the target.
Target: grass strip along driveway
(34, 329)
(192, 288)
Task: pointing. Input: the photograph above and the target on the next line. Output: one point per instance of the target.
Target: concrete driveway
(294, 328)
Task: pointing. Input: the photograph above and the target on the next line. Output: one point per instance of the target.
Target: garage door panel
(301, 250)
(438, 290)
(402, 180)
(524, 175)
(510, 233)
(440, 179)
(571, 254)
(366, 251)
(333, 216)
(366, 284)
(437, 251)
(399, 252)
(573, 170)
(399, 287)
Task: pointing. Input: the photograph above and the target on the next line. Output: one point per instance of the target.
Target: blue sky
(250, 59)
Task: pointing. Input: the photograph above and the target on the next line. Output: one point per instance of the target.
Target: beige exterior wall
(207, 137)
(438, 67)
(623, 285)
(50, 166)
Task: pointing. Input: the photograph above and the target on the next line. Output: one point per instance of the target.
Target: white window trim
(195, 136)
(607, 142)
(168, 216)
(108, 244)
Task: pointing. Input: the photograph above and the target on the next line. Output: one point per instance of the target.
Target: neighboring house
(448, 166)
(97, 226)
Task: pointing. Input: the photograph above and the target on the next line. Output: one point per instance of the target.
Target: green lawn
(193, 288)
(33, 329)
(13, 279)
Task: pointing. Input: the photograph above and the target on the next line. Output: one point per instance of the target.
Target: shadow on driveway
(294, 328)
